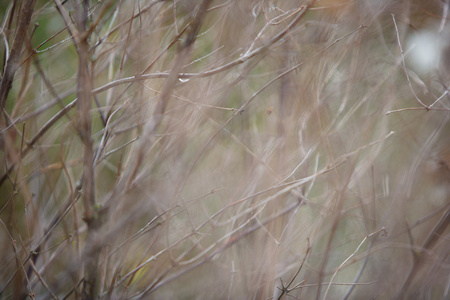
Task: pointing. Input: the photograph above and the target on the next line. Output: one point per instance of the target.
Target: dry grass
(224, 149)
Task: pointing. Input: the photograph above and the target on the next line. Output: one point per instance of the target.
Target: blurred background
(249, 149)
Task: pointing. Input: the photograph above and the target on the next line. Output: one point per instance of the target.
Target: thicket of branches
(205, 149)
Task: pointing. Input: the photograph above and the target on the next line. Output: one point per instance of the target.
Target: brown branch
(418, 260)
(13, 61)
